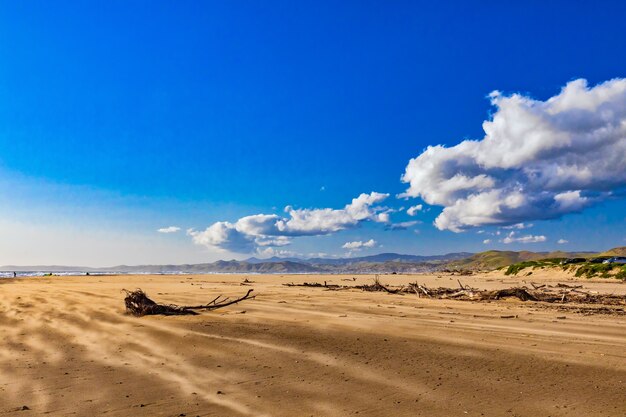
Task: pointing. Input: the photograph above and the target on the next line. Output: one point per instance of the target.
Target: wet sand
(68, 349)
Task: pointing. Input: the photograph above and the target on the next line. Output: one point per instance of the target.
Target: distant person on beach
(14, 274)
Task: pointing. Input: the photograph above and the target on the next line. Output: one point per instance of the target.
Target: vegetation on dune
(495, 259)
(592, 270)
(514, 262)
(587, 269)
(514, 269)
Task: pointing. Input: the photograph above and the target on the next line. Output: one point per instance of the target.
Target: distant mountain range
(384, 262)
(381, 257)
(381, 263)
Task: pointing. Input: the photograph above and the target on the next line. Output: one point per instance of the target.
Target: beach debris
(138, 304)
(378, 286)
(565, 297)
(519, 293)
(318, 285)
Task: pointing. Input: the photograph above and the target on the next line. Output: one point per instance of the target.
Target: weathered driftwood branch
(378, 286)
(519, 293)
(317, 285)
(138, 304)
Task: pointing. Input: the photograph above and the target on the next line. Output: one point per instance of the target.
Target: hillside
(621, 251)
(494, 259)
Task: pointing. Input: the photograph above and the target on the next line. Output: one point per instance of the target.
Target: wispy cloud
(519, 226)
(357, 245)
(170, 229)
(402, 225)
(513, 238)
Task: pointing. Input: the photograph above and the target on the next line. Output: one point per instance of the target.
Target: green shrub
(515, 268)
(591, 270)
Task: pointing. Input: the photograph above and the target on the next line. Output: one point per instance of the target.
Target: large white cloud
(251, 233)
(537, 160)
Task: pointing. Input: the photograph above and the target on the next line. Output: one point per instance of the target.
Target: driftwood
(560, 294)
(519, 293)
(377, 286)
(317, 285)
(138, 304)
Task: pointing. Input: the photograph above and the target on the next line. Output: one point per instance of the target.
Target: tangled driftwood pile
(138, 304)
(557, 294)
(376, 286)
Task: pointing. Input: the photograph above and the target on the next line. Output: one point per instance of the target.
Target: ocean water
(22, 274)
(6, 274)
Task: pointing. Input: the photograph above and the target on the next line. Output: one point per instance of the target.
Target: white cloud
(513, 238)
(357, 245)
(412, 211)
(487, 241)
(223, 236)
(170, 229)
(562, 241)
(273, 241)
(279, 253)
(303, 222)
(537, 160)
(519, 226)
(250, 233)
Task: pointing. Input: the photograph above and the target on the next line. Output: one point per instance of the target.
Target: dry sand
(68, 349)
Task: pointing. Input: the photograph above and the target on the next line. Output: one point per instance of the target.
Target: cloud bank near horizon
(253, 233)
(538, 160)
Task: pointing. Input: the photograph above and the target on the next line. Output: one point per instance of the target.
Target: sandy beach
(67, 348)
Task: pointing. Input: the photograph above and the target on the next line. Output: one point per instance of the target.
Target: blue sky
(121, 118)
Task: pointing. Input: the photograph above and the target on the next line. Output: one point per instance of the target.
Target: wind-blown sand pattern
(67, 348)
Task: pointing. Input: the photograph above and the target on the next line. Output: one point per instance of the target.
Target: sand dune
(67, 348)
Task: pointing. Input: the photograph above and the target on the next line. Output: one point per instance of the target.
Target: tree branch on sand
(138, 304)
